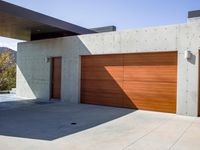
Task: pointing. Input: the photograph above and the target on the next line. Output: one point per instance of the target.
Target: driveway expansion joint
(184, 131)
(158, 126)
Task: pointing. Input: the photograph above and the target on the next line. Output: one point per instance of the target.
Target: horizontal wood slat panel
(102, 92)
(151, 59)
(153, 73)
(102, 60)
(102, 86)
(108, 99)
(142, 81)
(102, 73)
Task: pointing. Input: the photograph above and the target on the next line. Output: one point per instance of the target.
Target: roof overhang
(24, 24)
(194, 14)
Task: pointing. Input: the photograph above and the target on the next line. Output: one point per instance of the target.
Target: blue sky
(125, 14)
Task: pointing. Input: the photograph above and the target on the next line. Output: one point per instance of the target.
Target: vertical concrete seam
(158, 126)
(177, 36)
(177, 86)
(120, 43)
(187, 88)
(198, 84)
(190, 38)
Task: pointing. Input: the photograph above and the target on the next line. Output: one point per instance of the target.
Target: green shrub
(7, 71)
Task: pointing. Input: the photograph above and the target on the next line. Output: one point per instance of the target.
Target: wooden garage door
(144, 81)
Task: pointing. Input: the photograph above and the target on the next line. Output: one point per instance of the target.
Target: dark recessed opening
(73, 123)
(43, 103)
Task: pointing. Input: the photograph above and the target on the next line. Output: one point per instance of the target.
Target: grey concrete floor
(48, 126)
(9, 97)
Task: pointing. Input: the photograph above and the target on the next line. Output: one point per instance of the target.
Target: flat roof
(24, 24)
(194, 14)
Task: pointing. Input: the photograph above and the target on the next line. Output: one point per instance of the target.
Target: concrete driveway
(62, 126)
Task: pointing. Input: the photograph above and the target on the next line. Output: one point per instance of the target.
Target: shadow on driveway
(53, 120)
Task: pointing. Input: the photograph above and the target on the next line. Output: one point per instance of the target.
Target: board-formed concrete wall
(33, 73)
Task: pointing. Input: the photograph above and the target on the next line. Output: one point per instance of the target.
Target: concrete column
(188, 70)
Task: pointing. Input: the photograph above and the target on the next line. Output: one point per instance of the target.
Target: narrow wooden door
(56, 78)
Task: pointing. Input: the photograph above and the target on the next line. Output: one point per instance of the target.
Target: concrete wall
(33, 74)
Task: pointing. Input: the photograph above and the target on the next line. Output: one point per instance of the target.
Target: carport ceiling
(24, 24)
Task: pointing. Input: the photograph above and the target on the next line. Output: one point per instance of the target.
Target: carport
(23, 24)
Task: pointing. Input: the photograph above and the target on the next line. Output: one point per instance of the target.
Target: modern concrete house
(154, 68)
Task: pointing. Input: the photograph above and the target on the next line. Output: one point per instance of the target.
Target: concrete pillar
(188, 70)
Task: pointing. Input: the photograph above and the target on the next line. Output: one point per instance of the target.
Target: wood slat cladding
(144, 81)
(56, 78)
(150, 81)
(101, 79)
